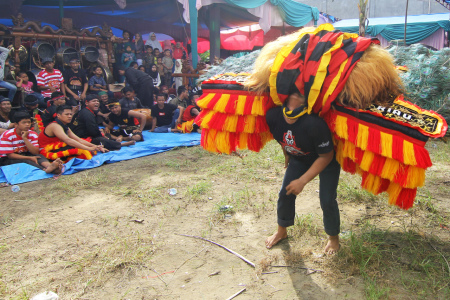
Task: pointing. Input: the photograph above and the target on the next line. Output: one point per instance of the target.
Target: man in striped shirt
(50, 80)
(20, 145)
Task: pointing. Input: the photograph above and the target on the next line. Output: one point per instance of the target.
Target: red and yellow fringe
(388, 161)
(39, 122)
(186, 127)
(66, 154)
(233, 119)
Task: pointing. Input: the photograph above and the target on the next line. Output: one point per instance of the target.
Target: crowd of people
(70, 115)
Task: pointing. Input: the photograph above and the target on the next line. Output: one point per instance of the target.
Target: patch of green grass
(439, 151)
(409, 259)
(349, 190)
(122, 254)
(305, 224)
(198, 189)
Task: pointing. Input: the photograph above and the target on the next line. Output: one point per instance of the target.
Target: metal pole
(194, 32)
(406, 22)
(61, 12)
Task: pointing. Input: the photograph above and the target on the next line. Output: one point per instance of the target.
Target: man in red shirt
(50, 80)
(20, 145)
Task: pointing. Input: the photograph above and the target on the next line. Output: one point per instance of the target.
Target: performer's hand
(137, 131)
(107, 130)
(295, 187)
(83, 96)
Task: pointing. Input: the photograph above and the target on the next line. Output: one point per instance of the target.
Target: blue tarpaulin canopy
(393, 28)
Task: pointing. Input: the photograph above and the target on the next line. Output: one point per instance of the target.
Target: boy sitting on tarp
(20, 145)
(124, 118)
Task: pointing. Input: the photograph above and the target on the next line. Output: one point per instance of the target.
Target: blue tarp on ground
(154, 143)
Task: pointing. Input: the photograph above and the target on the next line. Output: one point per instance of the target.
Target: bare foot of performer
(278, 236)
(54, 167)
(333, 245)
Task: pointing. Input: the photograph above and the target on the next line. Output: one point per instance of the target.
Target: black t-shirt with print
(75, 81)
(122, 119)
(163, 116)
(305, 139)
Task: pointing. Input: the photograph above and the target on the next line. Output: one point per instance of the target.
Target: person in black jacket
(84, 125)
(141, 82)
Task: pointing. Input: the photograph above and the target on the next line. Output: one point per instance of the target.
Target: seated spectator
(4, 52)
(167, 62)
(20, 145)
(177, 81)
(179, 52)
(155, 76)
(134, 65)
(160, 67)
(142, 68)
(98, 84)
(148, 59)
(182, 100)
(128, 56)
(30, 106)
(27, 87)
(5, 114)
(153, 42)
(129, 100)
(103, 111)
(49, 114)
(138, 47)
(156, 55)
(165, 91)
(189, 115)
(103, 55)
(141, 82)
(75, 82)
(50, 80)
(84, 125)
(124, 118)
(165, 116)
(58, 141)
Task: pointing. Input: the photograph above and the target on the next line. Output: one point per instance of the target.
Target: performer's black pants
(145, 93)
(329, 179)
(107, 143)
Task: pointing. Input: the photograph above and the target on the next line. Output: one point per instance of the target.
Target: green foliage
(204, 57)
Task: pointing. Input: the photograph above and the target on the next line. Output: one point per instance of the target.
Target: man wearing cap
(50, 80)
(141, 82)
(75, 82)
(84, 125)
(5, 114)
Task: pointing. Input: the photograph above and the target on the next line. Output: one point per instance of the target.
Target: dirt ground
(114, 232)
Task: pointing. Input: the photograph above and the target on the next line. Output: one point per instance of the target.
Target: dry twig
(229, 250)
(241, 291)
